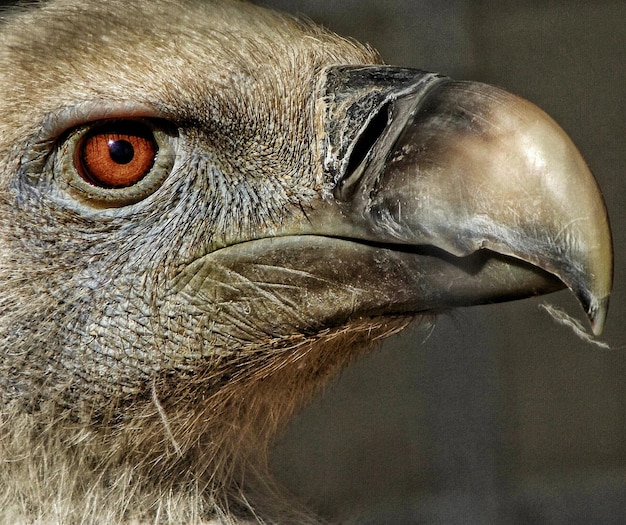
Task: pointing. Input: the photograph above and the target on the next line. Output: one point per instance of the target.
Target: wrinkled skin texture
(155, 337)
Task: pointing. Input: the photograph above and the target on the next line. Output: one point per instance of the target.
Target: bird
(208, 209)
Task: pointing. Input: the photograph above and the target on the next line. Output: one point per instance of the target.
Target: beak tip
(597, 316)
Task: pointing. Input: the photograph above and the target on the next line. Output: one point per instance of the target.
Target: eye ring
(116, 155)
(92, 171)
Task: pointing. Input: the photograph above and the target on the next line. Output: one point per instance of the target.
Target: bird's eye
(116, 156)
(114, 163)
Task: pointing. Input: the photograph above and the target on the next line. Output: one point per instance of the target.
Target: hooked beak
(466, 168)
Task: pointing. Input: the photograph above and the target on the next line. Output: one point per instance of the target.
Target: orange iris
(117, 155)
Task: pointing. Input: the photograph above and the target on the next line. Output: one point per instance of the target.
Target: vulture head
(207, 209)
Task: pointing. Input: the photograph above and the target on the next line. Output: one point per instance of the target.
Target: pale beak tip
(597, 316)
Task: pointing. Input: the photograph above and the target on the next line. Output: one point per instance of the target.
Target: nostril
(364, 143)
(367, 138)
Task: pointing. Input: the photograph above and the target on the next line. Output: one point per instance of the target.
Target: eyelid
(62, 120)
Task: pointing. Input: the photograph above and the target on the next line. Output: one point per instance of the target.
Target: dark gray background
(501, 416)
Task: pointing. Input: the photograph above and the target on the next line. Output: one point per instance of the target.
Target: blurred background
(500, 415)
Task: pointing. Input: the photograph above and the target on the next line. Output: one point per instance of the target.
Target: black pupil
(121, 151)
